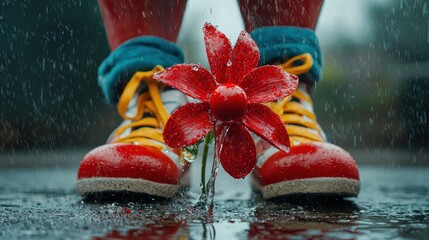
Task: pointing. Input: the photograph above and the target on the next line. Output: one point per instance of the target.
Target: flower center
(228, 102)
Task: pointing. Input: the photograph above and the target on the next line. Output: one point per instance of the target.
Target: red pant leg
(126, 19)
(298, 13)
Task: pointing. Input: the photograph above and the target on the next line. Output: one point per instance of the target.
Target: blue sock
(137, 54)
(279, 43)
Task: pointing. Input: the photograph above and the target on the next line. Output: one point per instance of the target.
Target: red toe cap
(129, 161)
(311, 160)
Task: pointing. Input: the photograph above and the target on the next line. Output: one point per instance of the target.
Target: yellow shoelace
(293, 114)
(146, 129)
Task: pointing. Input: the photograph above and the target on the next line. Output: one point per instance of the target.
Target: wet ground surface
(42, 203)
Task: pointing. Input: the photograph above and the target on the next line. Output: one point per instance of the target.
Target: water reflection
(164, 229)
(159, 230)
(308, 218)
(324, 218)
(393, 204)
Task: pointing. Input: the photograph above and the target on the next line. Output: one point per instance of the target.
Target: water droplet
(229, 63)
(276, 92)
(188, 156)
(195, 68)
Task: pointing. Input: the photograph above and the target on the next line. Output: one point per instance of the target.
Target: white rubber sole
(312, 186)
(103, 184)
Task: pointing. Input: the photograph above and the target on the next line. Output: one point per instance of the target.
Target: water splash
(209, 231)
(209, 200)
(206, 201)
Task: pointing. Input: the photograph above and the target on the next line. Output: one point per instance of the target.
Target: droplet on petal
(265, 123)
(187, 125)
(276, 92)
(244, 58)
(188, 156)
(191, 79)
(218, 49)
(228, 102)
(268, 83)
(236, 148)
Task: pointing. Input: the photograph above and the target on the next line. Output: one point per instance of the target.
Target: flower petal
(268, 83)
(244, 58)
(266, 124)
(218, 49)
(187, 125)
(235, 149)
(191, 79)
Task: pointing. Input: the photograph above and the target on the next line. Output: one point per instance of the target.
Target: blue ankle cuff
(137, 54)
(280, 43)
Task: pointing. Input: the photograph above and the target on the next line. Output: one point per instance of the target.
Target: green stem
(203, 163)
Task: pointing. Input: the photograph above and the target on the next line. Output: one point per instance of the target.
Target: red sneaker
(313, 166)
(135, 158)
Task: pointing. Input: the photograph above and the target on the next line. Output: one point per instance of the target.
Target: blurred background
(374, 97)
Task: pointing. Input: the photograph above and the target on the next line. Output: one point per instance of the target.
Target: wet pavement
(42, 203)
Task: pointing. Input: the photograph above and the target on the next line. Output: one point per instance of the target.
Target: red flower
(230, 101)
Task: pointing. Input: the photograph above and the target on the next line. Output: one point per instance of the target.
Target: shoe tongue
(303, 88)
(132, 106)
(172, 99)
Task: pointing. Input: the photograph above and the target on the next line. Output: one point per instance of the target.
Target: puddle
(394, 203)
